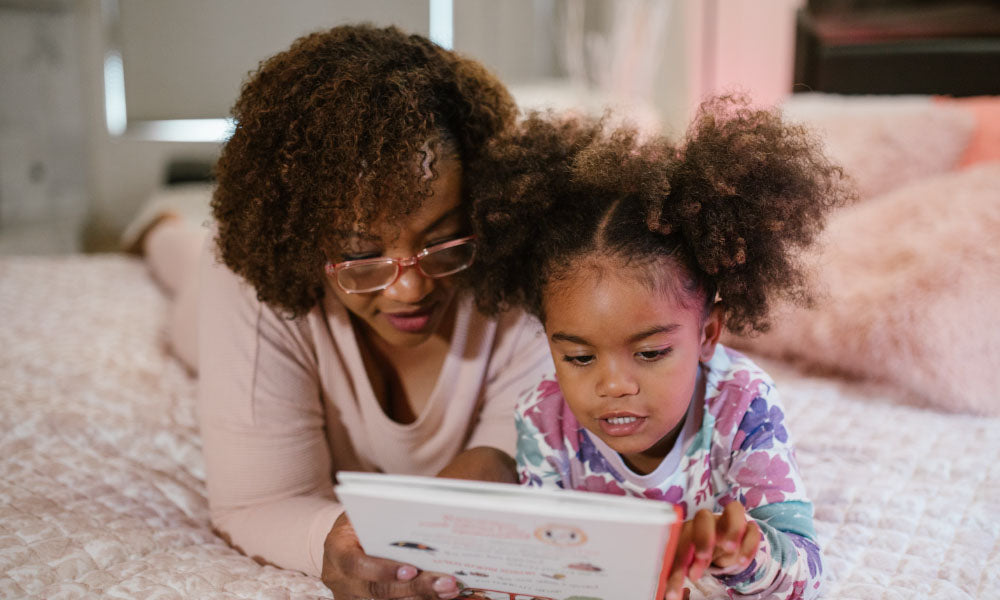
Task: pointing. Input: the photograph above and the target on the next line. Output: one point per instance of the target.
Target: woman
(333, 332)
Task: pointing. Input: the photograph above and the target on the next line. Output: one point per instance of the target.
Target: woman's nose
(410, 287)
(615, 381)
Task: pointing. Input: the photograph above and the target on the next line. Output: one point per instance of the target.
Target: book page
(515, 550)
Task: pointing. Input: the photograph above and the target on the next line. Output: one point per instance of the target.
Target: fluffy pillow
(884, 142)
(909, 293)
(985, 142)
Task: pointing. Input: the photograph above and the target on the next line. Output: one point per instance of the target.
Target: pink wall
(746, 45)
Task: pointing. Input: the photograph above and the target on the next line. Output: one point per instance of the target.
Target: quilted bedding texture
(102, 488)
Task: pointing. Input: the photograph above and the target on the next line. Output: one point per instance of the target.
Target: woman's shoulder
(508, 336)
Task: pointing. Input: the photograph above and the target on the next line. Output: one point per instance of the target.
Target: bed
(102, 489)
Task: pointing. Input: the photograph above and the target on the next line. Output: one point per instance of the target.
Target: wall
(124, 170)
(720, 46)
(53, 113)
(42, 129)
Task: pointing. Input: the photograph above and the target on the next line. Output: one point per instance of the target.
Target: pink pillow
(985, 143)
(909, 286)
(884, 142)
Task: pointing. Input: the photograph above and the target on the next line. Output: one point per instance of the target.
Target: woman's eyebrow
(447, 215)
(359, 238)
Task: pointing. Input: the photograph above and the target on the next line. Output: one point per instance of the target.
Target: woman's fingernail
(672, 595)
(444, 585)
(406, 573)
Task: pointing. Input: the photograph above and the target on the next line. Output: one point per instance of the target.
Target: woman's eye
(361, 256)
(443, 239)
(652, 355)
(579, 360)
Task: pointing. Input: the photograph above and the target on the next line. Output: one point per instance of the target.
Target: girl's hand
(709, 539)
(353, 575)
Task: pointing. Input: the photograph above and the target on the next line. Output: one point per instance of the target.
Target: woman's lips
(411, 321)
(621, 424)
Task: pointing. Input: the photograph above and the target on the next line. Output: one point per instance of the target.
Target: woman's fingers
(348, 571)
(371, 577)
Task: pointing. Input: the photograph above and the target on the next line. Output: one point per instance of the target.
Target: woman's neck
(403, 377)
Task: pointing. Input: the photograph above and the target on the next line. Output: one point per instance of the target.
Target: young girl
(634, 255)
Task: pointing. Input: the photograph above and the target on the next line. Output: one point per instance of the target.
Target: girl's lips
(412, 321)
(621, 424)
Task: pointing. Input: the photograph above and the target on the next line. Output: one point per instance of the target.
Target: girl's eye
(579, 360)
(653, 355)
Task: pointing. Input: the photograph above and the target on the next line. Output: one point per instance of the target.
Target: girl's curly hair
(730, 205)
(327, 141)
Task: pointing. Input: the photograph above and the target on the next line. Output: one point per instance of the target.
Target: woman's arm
(520, 358)
(482, 463)
(266, 456)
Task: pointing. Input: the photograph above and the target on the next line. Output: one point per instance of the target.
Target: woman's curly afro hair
(327, 141)
(730, 205)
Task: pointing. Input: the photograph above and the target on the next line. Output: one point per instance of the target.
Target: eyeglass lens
(378, 274)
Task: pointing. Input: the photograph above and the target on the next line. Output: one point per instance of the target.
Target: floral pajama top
(733, 446)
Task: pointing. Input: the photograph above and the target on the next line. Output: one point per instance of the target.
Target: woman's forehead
(441, 208)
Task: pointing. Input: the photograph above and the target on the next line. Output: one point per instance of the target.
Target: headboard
(945, 47)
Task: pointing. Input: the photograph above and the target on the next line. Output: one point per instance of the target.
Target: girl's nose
(410, 287)
(615, 382)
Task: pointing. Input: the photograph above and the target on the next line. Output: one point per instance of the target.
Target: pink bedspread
(102, 486)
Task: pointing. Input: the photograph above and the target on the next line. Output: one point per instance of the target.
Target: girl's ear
(711, 329)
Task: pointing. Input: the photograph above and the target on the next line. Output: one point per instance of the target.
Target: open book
(506, 542)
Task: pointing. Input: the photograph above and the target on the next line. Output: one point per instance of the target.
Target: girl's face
(413, 308)
(626, 355)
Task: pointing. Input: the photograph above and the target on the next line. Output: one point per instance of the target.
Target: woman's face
(412, 309)
(627, 355)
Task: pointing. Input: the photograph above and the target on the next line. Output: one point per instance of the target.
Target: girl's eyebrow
(567, 337)
(653, 331)
(575, 339)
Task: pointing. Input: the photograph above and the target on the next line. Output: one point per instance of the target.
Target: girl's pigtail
(521, 177)
(748, 193)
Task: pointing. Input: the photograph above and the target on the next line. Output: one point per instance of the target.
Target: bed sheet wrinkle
(102, 489)
(101, 475)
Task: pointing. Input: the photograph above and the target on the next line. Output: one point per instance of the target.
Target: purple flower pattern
(761, 424)
(765, 476)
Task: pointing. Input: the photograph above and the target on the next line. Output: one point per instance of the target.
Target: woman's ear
(711, 329)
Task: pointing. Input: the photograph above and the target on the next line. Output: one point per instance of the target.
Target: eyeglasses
(373, 274)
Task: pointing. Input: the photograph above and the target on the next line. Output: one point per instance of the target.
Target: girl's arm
(764, 477)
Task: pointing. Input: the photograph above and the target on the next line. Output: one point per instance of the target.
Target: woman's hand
(353, 575)
(709, 539)
(482, 463)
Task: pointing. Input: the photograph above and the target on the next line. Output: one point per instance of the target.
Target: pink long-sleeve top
(286, 403)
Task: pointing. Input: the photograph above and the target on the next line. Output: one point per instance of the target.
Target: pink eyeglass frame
(401, 263)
